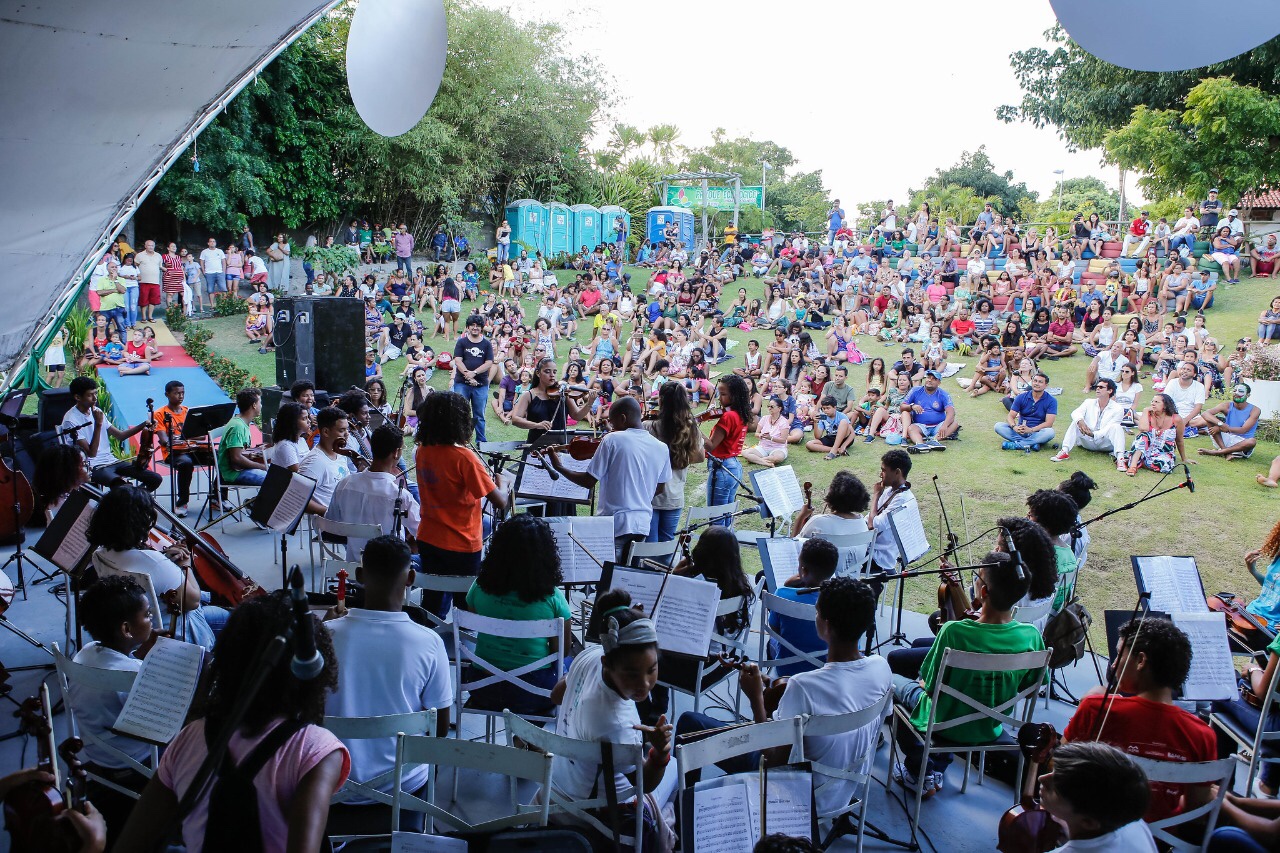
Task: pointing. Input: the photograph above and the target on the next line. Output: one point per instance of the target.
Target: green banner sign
(721, 198)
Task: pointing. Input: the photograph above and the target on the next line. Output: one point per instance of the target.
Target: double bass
(17, 501)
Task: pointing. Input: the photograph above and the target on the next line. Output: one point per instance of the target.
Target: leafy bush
(230, 307)
(175, 319)
(335, 261)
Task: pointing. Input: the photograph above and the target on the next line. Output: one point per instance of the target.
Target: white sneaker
(180, 511)
(1061, 456)
(903, 777)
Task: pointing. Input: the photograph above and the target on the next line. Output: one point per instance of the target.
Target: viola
(147, 438)
(808, 496)
(1027, 827)
(31, 810)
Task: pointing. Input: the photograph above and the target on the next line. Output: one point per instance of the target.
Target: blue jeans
(721, 487)
(478, 395)
(1233, 839)
(907, 692)
(405, 264)
(504, 251)
(1188, 240)
(131, 306)
(118, 316)
(215, 282)
(663, 525)
(1040, 436)
(310, 271)
(248, 477)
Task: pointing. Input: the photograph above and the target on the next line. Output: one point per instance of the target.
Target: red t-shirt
(962, 327)
(882, 302)
(1151, 730)
(1063, 329)
(590, 297)
(1139, 226)
(735, 432)
(451, 482)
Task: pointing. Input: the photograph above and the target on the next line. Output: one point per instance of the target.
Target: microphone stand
(1150, 496)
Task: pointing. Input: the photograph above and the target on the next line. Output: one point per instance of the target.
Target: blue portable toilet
(659, 217)
(586, 227)
(559, 229)
(609, 214)
(528, 220)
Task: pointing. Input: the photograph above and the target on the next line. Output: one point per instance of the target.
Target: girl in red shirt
(724, 471)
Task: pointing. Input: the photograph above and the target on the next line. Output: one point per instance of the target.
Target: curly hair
(676, 427)
(110, 601)
(288, 425)
(1078, 487)
(522, 560)
(739, 398)
(444, 418)
(251, 627)
(1053, 510)
(1036, 549)
(58, 472)
(847, 494)
(849, 607)
(1167, 648)
(123, 519)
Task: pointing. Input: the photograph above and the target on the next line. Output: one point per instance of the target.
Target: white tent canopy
(103, 95)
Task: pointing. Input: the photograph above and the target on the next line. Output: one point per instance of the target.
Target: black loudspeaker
(54, 403)
(320, 339)
(271, 399)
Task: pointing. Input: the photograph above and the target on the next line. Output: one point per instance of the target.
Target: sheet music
(644, 586)
(535, 482)
(780, 490)
(416, 842)
(781, 560)
(722, 819)
(789, 808)
(595, 532)
(75, 545)
(292, 504)
(910, 528)
(1213, 674)
(685, 615)
(1174, 584)
(157, 705)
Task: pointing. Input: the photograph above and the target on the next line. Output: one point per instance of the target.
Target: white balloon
(395, 60)
(1168, 35)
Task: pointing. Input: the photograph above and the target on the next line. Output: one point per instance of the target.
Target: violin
(580, 449)
(709, 415)
(31, 809)
(362, 464)
(808, 496)
(1247, 630)
(147, 438)
(1027, 827)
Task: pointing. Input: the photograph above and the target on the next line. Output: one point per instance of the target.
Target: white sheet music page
(685, 615)
(906, 520)
(781, 560)
(780, 490)
(789, 803)
(416, 842)
(293, 503)
(157, 705)
(1213, 674)
(1174, 584)
(75, 545)
(721, 819)
(535, 482)
(644, 586)
(595, 533)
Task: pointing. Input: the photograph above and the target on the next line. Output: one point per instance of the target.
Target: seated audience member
(999, 587)
(845, 502)
(1233, 425)
(519, 581)
(597, 701)
(832, 431)
(376, 496)
(387, 664)
(1096, 424)
(849, 681)
(327, 462)
(929, 415)
(1153, 657)
(304, 765)
(818, 561)
(116, 613)
(1098, 794)
(1031, 417)
(119, 530)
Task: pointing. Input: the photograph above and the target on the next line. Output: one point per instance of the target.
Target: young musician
(387, 664)
(301, 764)
(891, 492)
(1056, 512)
(452, 482)
(817, 563)
(236, 462)
(846, 501)
(1152, 660)
(119, 530)
(1267, 605)
(1257, 680)
(327, 463)
(1098, 794)
(998, 586)
(356, 404)
(60, 471)
(376, 495)
(631, 466)
(539, 411)
(724, 471)
(676, 428)
(178, 454)
(84, 426)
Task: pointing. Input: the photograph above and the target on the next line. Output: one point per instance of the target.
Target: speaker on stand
(320, 339)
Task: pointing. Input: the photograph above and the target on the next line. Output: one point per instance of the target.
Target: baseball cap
(400, 315)
(1214, 190)
(1233, 212)
(935, 374)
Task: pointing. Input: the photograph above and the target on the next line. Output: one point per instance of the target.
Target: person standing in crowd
(503, 236)
(278, 254)
(402, 242)
(451, 482)
(85, 426)
(212, 266)
(632, 468)
(149, 263)
(676, 428)
(724, 470)
(174, 276)
(472, 359)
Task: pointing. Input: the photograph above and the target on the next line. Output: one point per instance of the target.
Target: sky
(876, 95)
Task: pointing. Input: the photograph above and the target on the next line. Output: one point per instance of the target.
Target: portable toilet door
(528, 220)
(658, 218)
(559, 229)
(586, 227)
(609, 214)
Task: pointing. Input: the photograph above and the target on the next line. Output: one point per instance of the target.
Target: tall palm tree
(626, 140)
(663, 139)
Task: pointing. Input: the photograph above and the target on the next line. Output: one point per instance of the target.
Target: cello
(1027, 827)
(16, 494)
(953, 599)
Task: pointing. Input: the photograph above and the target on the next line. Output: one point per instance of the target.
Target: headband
(636, 633)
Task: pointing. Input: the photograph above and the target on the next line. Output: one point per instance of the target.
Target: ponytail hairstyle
(623, 628)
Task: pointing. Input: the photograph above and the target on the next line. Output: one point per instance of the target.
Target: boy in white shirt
(1100, 795)
(323, 462)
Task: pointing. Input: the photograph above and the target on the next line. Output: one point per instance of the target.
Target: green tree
(1066, 87)
(1079, 195)
(976, 171)
(663, 137)
(1227, 136)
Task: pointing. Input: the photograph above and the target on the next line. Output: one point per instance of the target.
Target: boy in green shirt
(999, 588)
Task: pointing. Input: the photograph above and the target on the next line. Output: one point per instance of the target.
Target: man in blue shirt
(835, 218)
(929, 415)
(1202, 292)
(832, 431)
(1030, 421)
(818, 561)
(1233, 425)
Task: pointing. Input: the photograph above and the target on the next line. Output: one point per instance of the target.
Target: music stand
(200, 422)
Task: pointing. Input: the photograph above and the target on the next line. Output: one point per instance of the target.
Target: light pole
(764, 182)
(1059, 173)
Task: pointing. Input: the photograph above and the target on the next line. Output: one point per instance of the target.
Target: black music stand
(10, 409)
(200, 422)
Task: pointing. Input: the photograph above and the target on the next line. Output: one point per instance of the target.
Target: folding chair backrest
(788, 653)
(1220, 773)
(454, 584)
(953, 659)
(465, 657)
(662, 552)
(372, 728)
(737, 740)
(1032, 613)
(479, 757)
(855, 550)
(585, 752)
(350, 529)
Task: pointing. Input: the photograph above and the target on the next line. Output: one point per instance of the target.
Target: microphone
(1013, 554)
(577, 389)
(306, 663)
(1190, 484)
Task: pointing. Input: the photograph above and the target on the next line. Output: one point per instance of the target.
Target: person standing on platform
(472, 358)
(149, 264)
(724, 470)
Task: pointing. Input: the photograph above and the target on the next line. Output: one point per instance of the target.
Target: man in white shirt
(888, 220)
(1107, 364)
(374, 496)
(632, 467)
(85, 426)
(149, 263)
(212, 262)
(1184, 231)
(1187, 393)
(323, 463)
(1095, 425)
(1236, 224)
(387, 664)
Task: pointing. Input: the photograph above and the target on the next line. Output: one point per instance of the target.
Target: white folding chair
(1261, 743)
(456, 585)
(660, 552)
(698, 514)
(1032, 613)
(492, 758)
(835, 725)
(92, 678)
(331, 537)
(711, 673)
(625, 757)
(855, 551)
(1035, 664)
(466, 628)
(1219, 773)
(734, 741)
(788, 653)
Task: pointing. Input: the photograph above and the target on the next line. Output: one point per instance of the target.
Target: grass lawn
(1227, 515)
